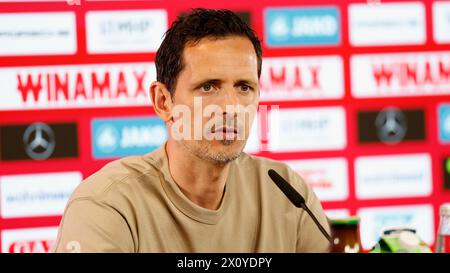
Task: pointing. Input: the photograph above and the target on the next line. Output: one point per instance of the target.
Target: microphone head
(287, 189)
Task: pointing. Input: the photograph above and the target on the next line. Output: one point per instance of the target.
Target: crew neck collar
(180, 200)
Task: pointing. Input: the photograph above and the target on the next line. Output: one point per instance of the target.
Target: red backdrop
(84, 161)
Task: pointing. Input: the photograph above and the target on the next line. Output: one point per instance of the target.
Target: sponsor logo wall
(363, 93)
(387, 24)
(121, 137)
(39, 33)
(302, 26)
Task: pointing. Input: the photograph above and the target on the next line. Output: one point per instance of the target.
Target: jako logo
(122, 137)
(444, 123)
(302, 26)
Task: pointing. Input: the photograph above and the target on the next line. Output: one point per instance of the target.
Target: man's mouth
(225, 133)
(226, 130)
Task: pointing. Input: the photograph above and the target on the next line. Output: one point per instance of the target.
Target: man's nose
(231, 96)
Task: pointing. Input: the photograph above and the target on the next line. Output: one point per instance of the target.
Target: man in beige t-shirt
(198, 192)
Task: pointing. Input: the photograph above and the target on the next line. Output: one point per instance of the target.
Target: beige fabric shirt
(134, 205)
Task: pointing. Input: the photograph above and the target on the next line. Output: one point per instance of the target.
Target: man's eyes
(208, 87)
(245, 88)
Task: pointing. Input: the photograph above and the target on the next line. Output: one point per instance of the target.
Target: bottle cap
(408, 240)
(397, 229)
(347, 221)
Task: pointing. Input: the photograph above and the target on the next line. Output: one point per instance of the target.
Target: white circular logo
(39, 141)
(391, 125)
(280, 28)
(107, 138)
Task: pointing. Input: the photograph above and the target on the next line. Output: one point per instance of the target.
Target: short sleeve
(91, 226)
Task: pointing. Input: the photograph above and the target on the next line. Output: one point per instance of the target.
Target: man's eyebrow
(199, 83)
(246, 81)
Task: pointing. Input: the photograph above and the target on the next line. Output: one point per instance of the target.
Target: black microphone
(296, 199)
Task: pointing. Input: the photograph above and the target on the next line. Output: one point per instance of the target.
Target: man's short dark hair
(191, 28)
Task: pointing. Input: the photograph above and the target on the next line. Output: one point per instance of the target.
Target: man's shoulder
(118, 177)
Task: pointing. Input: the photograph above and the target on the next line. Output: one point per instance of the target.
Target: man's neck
(201, 181)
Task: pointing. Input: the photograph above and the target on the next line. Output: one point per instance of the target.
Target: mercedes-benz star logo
(39, 141)
(391, 125)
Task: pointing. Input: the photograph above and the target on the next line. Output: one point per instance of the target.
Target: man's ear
(161, 100)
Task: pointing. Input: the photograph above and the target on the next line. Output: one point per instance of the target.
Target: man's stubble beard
(204, 151)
